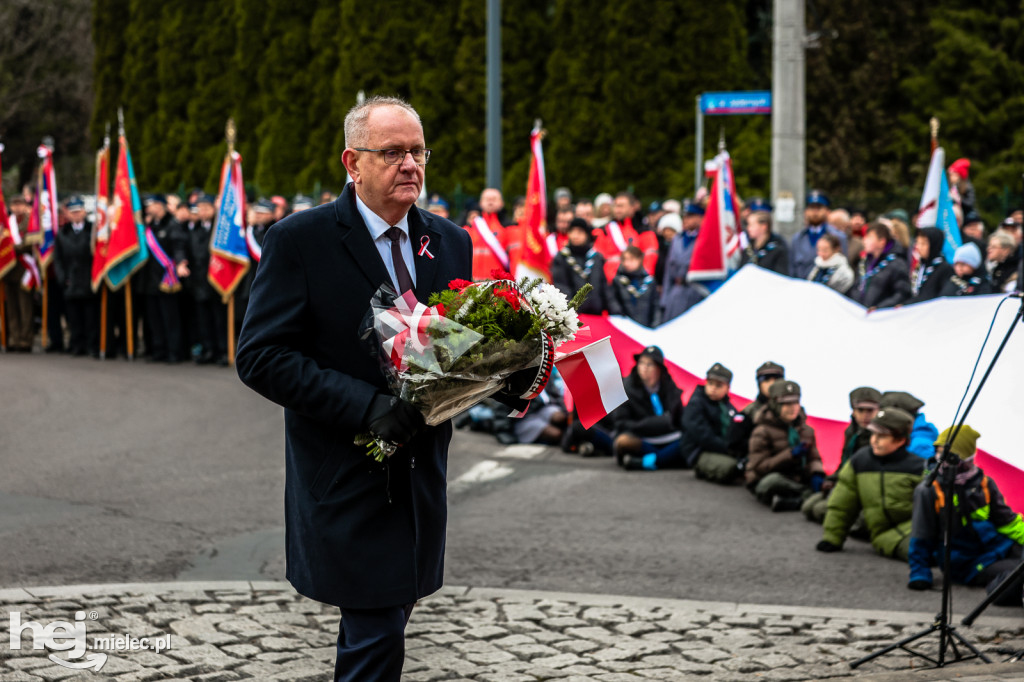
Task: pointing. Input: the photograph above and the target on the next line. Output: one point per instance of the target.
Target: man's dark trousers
(371, 644)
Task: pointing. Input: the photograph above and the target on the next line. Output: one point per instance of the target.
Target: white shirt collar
(377, 225)
(78, 227)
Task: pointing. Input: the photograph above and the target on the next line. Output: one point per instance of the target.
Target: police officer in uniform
(72, 263)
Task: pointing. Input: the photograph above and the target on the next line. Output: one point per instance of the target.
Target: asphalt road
(117, 471)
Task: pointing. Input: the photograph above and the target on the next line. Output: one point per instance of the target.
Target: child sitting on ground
(633, 292)
(864, 403)
(706, 425)
(880, 480)
(784, 466)
(743, 423)
(648, 424)
(987, 535)
(923, 433)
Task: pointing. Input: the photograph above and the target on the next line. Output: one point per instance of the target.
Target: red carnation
(458, 284)
(498, 273)
(509, 296)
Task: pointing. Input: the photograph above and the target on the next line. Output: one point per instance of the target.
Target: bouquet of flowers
(447, 356)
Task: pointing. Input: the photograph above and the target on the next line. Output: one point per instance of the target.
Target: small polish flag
(593, 377)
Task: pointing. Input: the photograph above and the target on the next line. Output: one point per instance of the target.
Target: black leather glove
(826, 546)
(393, 419)
(520, 382)
(919, 585)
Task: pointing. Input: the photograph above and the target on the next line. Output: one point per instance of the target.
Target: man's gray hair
(356, 132)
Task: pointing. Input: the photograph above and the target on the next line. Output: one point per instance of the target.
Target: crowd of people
(636, 260)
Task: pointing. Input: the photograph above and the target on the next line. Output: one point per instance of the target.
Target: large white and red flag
(594, 379)
(717, 249)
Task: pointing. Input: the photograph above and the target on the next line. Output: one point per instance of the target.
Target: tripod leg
(900, 645)
(958, 636)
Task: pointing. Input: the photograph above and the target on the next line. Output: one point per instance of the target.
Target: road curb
(17, 594)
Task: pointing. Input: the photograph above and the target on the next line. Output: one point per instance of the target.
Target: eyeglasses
(395, 157)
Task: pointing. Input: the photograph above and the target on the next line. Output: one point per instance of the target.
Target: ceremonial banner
(535, 258)
(42, 225)
(229, 250)
(126, 245)
(717, 249)
(819, 336)
(936, 208)
(7, 257)
(101, 229)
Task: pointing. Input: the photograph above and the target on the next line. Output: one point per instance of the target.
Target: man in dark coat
(194, 264)
(365, 536)
(766, 249)
(72, 263)
(163, 312)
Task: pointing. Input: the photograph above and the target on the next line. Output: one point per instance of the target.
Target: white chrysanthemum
(552, 305)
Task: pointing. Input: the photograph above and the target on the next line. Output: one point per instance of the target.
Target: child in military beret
(880, 480)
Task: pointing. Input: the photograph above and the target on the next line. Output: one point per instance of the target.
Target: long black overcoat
(359, 534)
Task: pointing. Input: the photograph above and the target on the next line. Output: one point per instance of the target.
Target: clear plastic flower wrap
(448, 356)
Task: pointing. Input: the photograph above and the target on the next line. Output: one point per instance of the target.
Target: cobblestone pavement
(225, 631)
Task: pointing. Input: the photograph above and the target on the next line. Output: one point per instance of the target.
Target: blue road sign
(726, 103)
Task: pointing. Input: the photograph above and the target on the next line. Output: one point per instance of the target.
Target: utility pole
(789, 145)
(494, 93)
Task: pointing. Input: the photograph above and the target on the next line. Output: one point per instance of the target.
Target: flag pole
(103, 322)
(103, 285)
(43, 336)
(933, 124)
(3, 313)
(230, 132)
(129, 323)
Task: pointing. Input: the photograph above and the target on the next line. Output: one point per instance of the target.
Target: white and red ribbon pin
(424, 243)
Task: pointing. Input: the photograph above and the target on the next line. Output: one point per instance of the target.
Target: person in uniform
(765, 249)
(802, 250)
(19, 299)
(209, 310)
(72, 263)
(163, 312)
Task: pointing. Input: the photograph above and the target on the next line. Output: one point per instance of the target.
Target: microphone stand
(946, 469)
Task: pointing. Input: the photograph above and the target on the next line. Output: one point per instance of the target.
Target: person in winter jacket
(576, 264)
(882, 276)
(706, 424)
(784, 467)
(968, 278)
(864, 402)
(72, 263)
(648, 425)
(678, 295)
(923, 434)
(802, 249)
(765, 248)
(1003, 261)
(987, 534)
(880, 480)
(743, 423)
(633, 292)
(831, 267)
(932, 270)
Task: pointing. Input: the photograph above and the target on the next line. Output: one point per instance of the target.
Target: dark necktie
(401, 271)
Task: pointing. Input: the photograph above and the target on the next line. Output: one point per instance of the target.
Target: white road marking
(481, 472)
(522, 451)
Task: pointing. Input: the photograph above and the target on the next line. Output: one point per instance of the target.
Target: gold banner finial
(230, 132)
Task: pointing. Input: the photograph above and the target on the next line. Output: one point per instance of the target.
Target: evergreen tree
(141, 87)
(323, 120)
(215, 97)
